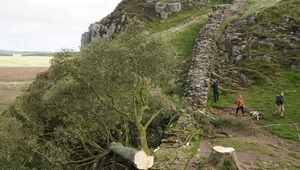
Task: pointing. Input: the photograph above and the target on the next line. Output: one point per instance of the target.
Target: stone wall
(198, 83)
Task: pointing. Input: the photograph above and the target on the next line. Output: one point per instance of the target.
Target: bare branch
(82, 141)
(95, 159)
(106, 128)
(43, 155)
(91, 143)
(99, 98)
(82, 160)
(152, 117)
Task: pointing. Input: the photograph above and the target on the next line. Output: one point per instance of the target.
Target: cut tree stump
(139, 158)
(222, 157)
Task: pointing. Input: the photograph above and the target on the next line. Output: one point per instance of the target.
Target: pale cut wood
(221, 156)
(221, 149)
(140, 159)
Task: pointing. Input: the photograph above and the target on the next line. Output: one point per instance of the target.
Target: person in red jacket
(239, 105)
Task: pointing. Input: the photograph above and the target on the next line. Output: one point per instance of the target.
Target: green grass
(184, 40)
(269, 18)
(180, 18)
(262, 98)
(277, 73)
(182, 28)
(30, 61)
(294, 155)
(258, 5)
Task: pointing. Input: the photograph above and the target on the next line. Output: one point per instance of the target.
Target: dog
(255, 114)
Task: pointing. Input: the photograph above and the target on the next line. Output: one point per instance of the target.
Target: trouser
(280, 109)
(238, 108)
(216, 96)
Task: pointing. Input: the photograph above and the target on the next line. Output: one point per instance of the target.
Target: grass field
(28, 61)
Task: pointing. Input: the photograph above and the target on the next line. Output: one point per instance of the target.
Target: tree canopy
(110, 91)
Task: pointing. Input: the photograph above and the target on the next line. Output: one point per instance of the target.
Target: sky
(48, 25)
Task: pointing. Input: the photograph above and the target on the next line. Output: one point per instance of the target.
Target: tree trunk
(139, 158)
(222, 157)
(143, 137)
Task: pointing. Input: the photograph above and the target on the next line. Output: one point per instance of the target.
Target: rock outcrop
(198, 83)
(254, 39)
(164, 9)
(296, 66)
(113, 23)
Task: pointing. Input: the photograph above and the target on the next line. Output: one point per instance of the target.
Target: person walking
(239, 105)
(280, 105)
(215, 87)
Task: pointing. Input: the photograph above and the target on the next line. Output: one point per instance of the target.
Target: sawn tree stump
(223, 158)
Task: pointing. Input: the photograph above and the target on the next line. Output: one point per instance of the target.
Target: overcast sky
(48, 25)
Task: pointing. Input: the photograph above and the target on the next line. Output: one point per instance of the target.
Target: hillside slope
(261, 52)
(256, 55)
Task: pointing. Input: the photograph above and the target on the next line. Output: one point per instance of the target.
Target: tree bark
(139, 158)
(222, 157)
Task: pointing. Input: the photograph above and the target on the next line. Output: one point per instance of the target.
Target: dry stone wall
(198, 83)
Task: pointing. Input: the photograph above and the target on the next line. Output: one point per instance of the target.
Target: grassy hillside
(69, 113)
(273, 34)
(183, 28)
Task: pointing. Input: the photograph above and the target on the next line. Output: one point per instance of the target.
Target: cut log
(222, 157)
(139, 158)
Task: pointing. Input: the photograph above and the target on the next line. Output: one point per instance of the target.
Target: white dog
(255, 114)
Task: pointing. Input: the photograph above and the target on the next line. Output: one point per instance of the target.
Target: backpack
(277, 101)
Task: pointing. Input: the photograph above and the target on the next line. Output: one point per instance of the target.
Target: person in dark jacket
(215, 87)
(280, 105)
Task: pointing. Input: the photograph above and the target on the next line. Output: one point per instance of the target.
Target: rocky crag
(112, 23)
(116, 21)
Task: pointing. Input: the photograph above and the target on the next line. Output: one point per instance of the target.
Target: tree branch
(95, 159)
(43, 155)
(141, 112)
(152, 117)
(91, 143)
(82, 141)
(80, 161)
(106, 128)
(99, 98)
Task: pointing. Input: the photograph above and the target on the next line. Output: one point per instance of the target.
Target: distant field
(28, 61)
(16, 74)
(14, 81)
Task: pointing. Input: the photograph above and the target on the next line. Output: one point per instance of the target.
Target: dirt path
(260, 150)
